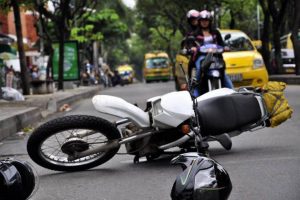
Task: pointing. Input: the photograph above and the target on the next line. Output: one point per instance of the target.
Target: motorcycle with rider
(205, 47)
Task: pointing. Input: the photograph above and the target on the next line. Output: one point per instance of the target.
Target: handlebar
(207, 48)
(211, 48)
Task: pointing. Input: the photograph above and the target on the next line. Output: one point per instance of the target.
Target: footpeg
(136, 159)
(224, 140)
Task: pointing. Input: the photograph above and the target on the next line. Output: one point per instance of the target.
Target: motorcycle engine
(140, 146)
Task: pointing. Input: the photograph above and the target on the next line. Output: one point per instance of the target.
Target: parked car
(287, 55)
(244, 64)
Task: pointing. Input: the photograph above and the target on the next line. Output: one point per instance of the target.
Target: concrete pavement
(15, 116)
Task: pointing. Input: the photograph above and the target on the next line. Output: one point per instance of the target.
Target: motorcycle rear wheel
(46, 144)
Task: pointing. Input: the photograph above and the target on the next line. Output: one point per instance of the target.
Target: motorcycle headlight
(258, 63)
(215, 73)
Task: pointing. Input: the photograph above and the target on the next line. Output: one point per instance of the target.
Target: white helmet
(192, 14)
(204, 14)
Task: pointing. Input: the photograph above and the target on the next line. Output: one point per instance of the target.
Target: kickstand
(202, 146)
(136, 159)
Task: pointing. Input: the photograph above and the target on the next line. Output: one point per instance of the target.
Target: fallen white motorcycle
(79, 142)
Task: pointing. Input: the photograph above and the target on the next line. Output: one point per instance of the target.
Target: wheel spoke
(51, 148)
(57, 140)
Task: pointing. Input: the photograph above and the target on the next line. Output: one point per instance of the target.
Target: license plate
(235, 77)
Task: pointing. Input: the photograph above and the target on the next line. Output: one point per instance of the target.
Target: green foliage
(136, 53)
(108, 22)
(5, 5)
(85, 34)
(164, 39)
(243, 12)
(98, 26)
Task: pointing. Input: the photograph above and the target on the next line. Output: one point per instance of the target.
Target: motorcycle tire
(61, 131)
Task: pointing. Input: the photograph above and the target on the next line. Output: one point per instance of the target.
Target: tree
(265, 50)
(277, 9)
(65, 14)
(104, 25)
(239, 14)
(160, 22)
(15, 4)
(296, 35)
(24, 70)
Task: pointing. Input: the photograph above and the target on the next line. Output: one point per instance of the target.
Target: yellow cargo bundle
(276, 103)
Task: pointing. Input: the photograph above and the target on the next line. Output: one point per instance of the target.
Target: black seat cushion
(228, 113)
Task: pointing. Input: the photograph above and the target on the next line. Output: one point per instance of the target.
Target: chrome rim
(51, 151)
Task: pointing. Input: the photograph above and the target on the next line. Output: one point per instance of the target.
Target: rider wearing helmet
(208, 35)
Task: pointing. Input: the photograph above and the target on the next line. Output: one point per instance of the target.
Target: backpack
(277, 105)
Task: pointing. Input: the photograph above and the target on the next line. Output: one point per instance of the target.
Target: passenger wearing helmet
(192, 19)
(207, 34)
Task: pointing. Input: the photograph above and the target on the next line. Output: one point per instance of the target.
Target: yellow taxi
(244, 64)
(127, 73)
(157, 67)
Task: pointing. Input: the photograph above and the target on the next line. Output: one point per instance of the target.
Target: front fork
(200, 143)
(210, 87)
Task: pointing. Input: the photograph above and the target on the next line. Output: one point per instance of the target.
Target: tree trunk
(265, 51)
(61, 60)
(96, 56)
(1, 96)
(296, 36)
(277, 47)
(23, 65)
(49, 65)
(278, 11)
(265, 44)
(63, 34)
(232, 20)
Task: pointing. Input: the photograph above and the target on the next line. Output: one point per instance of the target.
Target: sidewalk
(15, 116)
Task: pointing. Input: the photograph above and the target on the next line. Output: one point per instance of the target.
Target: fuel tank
(119, 107)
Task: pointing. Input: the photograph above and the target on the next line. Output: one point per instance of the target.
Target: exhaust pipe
(178, 142)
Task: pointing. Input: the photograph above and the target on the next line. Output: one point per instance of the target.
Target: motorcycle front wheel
(51, 144)
(215, 83)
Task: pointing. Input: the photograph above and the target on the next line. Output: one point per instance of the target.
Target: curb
(36, 110)
(288, 79)
(13, 124)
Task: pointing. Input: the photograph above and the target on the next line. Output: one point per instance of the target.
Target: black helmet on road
(202, 179)
(17, 180)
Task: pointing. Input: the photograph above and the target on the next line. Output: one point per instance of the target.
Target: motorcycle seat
(228, 113)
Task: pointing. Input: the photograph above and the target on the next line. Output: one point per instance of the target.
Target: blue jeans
(227, 81)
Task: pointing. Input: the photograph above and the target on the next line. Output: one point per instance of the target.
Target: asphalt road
(263, 165)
